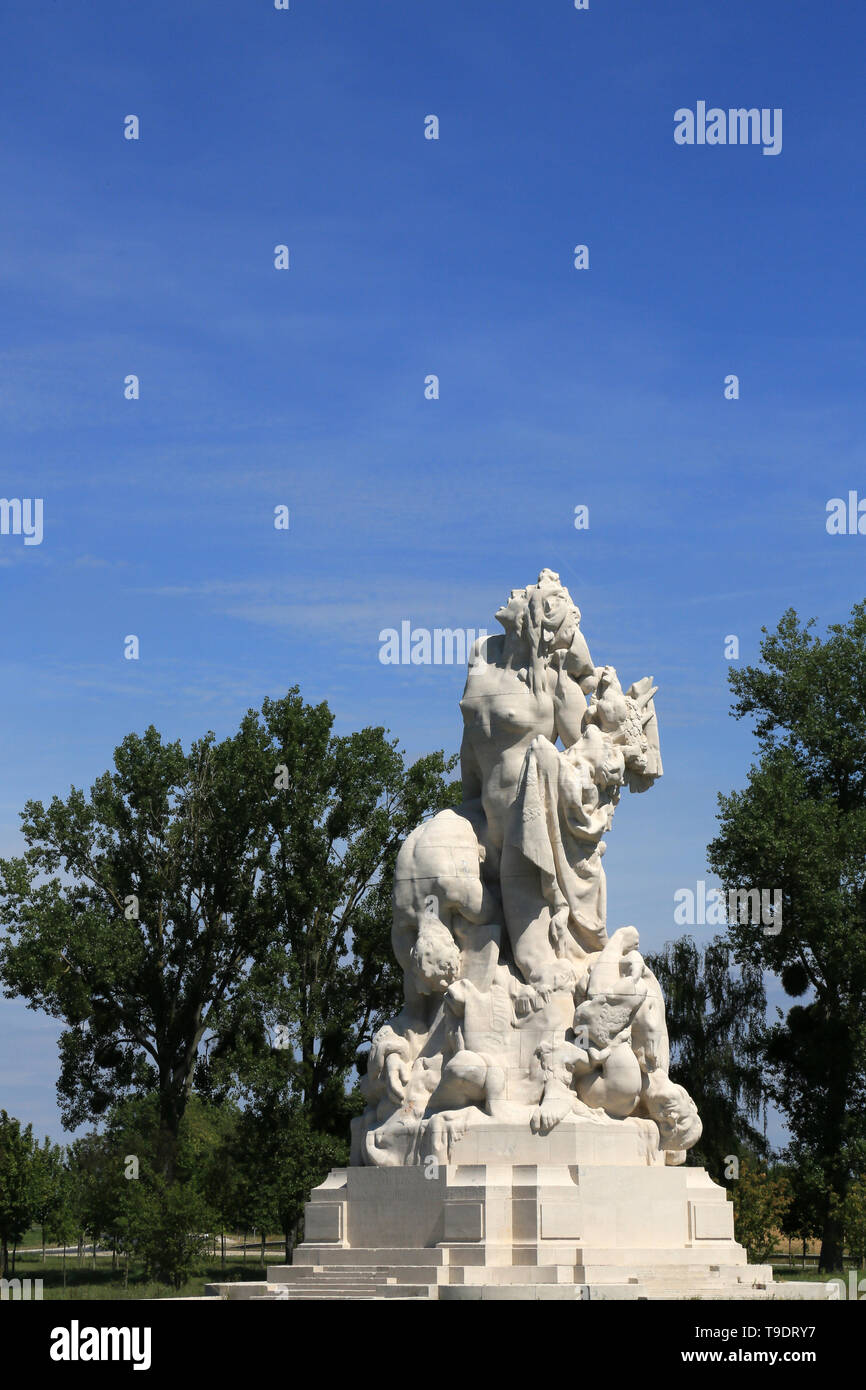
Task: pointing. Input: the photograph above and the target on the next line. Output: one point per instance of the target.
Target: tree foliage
(200, 897)
(18, 1190)
(762, 1199)
(799, 825)
(715, 1018)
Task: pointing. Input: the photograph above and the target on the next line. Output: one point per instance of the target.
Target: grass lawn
(786, 1273)
(82, 1281)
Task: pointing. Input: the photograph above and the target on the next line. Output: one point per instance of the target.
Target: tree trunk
(64, 1264)
(174, 1093)
(831, 1248)
(291, 1240)
(830, 1258)
(223, 1250)
(14, 1253)
(262, 1260)
(171, 1108)
(4, 1261)
(836, 1177)
(832, 1253)
(43, 1242)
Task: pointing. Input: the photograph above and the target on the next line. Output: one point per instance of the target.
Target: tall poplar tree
(799, 825)
(190, 895)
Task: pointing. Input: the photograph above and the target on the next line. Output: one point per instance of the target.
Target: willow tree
(715, 1019)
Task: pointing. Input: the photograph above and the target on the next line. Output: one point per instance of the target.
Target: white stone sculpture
(519, 1009)
(522, 1137)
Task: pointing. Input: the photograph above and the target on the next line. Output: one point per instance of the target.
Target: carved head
(559, 614)
(543, 614)
(611, 768)
(602, 1018)
(435, 957)
(609, 707)
(620, 716)
(677, 1118)
(512, 613)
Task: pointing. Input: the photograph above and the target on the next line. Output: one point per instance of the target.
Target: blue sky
(558, 387)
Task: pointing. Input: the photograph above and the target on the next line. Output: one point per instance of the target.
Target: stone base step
(595, 1272)
(318, 1289)
(705, 1255)
(349, 1289)
(653, 1292)
(297, 1294)
(330, 1256)
(747, 1276)
(240, 1289)
(404, 1274)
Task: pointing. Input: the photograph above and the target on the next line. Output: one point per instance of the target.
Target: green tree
(18, 1193)
(853, 1218)
(119, 1192)
(98, 1190)
(62, 1223)
(48, 1184)
(804, 1218)
(328, 978)
(799, 826)
(761, 1201)
(167, 1228)
(203, 891)
(715, 1016)
(281, 1157)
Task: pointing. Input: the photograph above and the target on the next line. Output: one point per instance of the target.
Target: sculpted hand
(397, 1073)
(551, 979)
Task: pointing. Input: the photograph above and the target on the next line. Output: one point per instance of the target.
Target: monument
(521, 1015)
(522, 1136)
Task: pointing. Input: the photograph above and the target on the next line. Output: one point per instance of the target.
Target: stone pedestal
(585, 1212)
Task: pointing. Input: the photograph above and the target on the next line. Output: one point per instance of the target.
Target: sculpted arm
(484, 650)
(470, 770)
(575, 677)
(569, 709)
